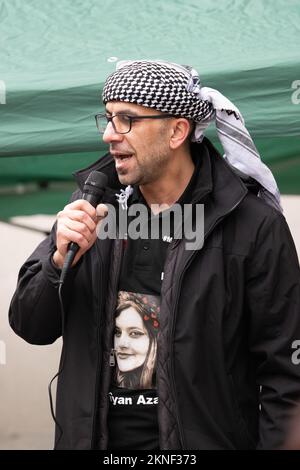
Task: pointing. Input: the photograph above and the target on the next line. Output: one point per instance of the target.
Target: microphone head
(97, 179)
(94, 187)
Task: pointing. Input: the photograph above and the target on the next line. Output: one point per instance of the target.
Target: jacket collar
(225, 190)
(224, 187)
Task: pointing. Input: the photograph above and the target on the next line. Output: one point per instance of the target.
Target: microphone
(93, 191)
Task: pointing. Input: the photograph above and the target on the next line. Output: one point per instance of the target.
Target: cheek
(141, 142)
(142, 346)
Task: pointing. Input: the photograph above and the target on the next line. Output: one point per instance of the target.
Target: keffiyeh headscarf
(177, 90)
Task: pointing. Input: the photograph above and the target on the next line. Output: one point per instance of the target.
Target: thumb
(101, 211)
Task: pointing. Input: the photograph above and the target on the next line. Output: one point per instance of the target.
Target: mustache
(116, 149)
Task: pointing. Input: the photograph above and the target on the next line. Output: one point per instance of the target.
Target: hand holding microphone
(77, 223)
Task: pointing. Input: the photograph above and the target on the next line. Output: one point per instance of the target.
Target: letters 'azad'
(147, 400)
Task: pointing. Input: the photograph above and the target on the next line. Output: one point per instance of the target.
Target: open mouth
(122, 157)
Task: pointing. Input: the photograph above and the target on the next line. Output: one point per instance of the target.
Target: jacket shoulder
(254, 223)
(254, 210)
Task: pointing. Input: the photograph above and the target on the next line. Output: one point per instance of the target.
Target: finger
(79, 216)
(65, 236)
(101, 210)
(79, 227)
(82, 205)
(83, 250)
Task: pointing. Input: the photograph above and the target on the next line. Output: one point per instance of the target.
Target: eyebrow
(124, 111)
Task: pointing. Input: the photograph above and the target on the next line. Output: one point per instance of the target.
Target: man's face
(143, 155)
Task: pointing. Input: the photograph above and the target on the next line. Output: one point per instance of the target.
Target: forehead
(113, 107)
(129, 318)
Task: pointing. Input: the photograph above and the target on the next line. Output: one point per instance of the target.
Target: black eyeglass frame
(131, 119)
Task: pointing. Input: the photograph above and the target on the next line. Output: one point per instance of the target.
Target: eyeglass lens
(121, 123)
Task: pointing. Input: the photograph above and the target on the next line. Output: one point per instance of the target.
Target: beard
(146, 167)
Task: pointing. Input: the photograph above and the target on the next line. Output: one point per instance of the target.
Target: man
(224, 315)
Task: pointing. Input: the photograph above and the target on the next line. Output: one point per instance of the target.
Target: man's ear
(179, 133)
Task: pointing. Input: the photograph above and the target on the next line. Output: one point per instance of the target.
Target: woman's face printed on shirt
(131, 340)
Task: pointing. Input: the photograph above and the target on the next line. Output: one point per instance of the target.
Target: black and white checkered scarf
(177, 90)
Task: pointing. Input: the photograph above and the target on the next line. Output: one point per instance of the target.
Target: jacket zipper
(112, 358)
(99, 308)
(173, 322)
(111, 355)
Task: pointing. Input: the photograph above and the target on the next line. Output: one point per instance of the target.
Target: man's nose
(110, 135)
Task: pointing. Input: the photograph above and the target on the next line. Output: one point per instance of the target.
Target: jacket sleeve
(273, 299)
(35, 312)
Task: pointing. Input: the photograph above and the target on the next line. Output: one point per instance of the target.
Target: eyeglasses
(122, 123)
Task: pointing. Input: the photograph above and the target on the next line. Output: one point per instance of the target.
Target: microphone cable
(62, 364)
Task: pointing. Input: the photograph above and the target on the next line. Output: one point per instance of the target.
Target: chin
(126, 180)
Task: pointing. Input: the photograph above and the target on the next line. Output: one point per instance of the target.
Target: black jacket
(229, 315)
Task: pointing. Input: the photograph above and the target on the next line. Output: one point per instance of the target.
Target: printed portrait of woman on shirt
(135, 340)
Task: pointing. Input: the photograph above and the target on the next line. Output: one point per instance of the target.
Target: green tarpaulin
(54, 57)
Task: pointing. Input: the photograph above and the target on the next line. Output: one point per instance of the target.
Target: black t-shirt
(133, 400)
